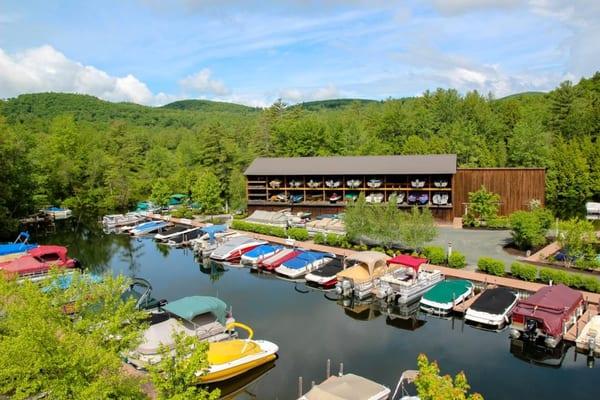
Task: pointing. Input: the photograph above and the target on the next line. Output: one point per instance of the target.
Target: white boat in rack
(332, 183)
(374, 183)
(408, 282)
(374, 198)
(417, 183)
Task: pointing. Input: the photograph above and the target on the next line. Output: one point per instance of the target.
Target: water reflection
(244, 386)
(538, 354)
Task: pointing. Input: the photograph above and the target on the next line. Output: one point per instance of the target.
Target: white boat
(588, 341)
(178, 235)
(374, 183)
(408, 282)
(440, 183)
(58, 213)
(362, 269)
(348, 386)
(493, 308)
(313, 184)
(417, 183)
(275, 183)
(353, 183)
(374, 198)
(295, 183)
(235, 248)
(303, 263)
(592, 210)
(148, 227)
(441, 299)
(118, 220)
(213, 237)
(332, 183)
(204, 317)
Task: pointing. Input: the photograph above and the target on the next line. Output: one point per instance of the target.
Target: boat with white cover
(408, 282)
(348, 386)
(492, 308)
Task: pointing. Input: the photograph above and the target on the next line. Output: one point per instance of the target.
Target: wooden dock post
(299, 386)
(328, 368)
(341, 369)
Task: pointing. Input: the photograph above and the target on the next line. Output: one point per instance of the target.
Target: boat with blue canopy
(10, 251)
(148, 227)
(259, 253)
(204, 317)
(303, 263)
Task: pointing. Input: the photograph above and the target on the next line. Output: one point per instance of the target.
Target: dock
(473, 276)
(573, 333)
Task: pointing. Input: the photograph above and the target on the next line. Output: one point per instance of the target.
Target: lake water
(311, 327)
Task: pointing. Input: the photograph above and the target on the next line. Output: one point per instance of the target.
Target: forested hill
(95, 156)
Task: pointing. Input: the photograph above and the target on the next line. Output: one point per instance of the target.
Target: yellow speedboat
(234, 357)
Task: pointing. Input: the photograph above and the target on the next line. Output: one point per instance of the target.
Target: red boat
(270, 263)
(547, 315)
(38, 262)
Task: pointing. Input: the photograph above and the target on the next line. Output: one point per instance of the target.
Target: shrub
(259, 228)
(435, 254)
(491, 266)
(334, 240)
(319, 238)
(300, 234)
(483, 206)
(523, 271)
(529, 228)
(499, 222)
(556, 276)
(457, 260)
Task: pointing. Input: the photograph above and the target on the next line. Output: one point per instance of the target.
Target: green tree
(578, 237)
(356, 219)
(161, 192)
(529, 145)
(417, 227)
(483, 205)
(237, 190)
(431, 386)
(529, 228)
(207, 192)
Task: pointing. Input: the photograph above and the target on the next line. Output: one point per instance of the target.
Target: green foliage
(435, 254)
(44, 351)
(499, 222)
(182, 211)
(523, 271)
(237, 191)
(319, 238)
(300, 234)
(457, 260)
(258, 228)
(207, 192)
(577, 281)
(174, 376)
(160, 192)
(431, 386)
(483, 206)
(579, 238)
(417, 227)
(529, 228)
(491, 266)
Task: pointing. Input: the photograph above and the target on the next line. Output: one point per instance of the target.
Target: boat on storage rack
(235, 248)
(16, 249)
(326, 275)
(417, 183)
(335, 197)
(146, 228)
(374, 198)
(332, 183)
(547, 314)
(260, 253)
(357, 280)
(440, 299)
(492, 308)
(204, 317)
(353, 183)
(408, 282)
(270, 263)
(231, 358)
(588, 341)
(374, 183)
(303, 263)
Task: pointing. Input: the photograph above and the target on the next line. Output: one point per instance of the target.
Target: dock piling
(328, 374)
(341, 369)
(299, 386)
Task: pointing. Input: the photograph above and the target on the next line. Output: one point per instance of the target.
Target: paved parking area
(476, 243)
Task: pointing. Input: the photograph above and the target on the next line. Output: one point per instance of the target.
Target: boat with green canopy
(205, 317)
(445, 295)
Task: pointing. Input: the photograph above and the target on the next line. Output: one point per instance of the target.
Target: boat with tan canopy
(362, 269)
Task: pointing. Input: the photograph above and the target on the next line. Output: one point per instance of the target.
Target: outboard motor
(530, 331)
(77, 264)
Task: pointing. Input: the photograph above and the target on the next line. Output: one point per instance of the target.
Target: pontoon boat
(357, 280)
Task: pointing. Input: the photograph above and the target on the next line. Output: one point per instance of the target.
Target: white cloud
(299, 95)
(201, 82)
(455, 7)
(44, 69)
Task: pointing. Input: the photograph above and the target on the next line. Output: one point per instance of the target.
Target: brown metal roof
(360, 165)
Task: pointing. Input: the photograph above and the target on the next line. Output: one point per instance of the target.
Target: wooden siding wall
(516, 186)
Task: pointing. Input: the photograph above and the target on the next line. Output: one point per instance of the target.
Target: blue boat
(304, 263)
(20, 245)
(148, 227)
(259, 253)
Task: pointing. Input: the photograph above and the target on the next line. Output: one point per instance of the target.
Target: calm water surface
(310, 328)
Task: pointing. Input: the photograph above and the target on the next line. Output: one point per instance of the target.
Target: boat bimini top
(190, 307)
(365, 266)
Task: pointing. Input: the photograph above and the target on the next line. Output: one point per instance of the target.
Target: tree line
(95, 156)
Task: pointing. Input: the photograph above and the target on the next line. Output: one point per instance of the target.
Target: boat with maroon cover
(269, 264)
(326, 275)
(547, 315)
(37, 262)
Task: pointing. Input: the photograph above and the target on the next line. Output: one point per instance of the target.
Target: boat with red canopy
(37, 262)
(408, 282)
(547, 315)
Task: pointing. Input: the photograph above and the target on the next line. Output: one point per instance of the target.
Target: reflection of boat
(303, 263)
(10, 251)
(547, 314)
(204, 317)
(230, 389)
(37, 262)
(538, 354)
(270, 263)
(403, 316)
(235, 248)
(348, 386)
(364, 267)
(492, 308)
(440, 299)
(325, 276)
(231, 358)
(58, 213)
(408, 282)
(148, 227)
(588, 341)
(259, 253)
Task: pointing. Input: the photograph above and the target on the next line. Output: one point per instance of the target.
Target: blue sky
(253, 52)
